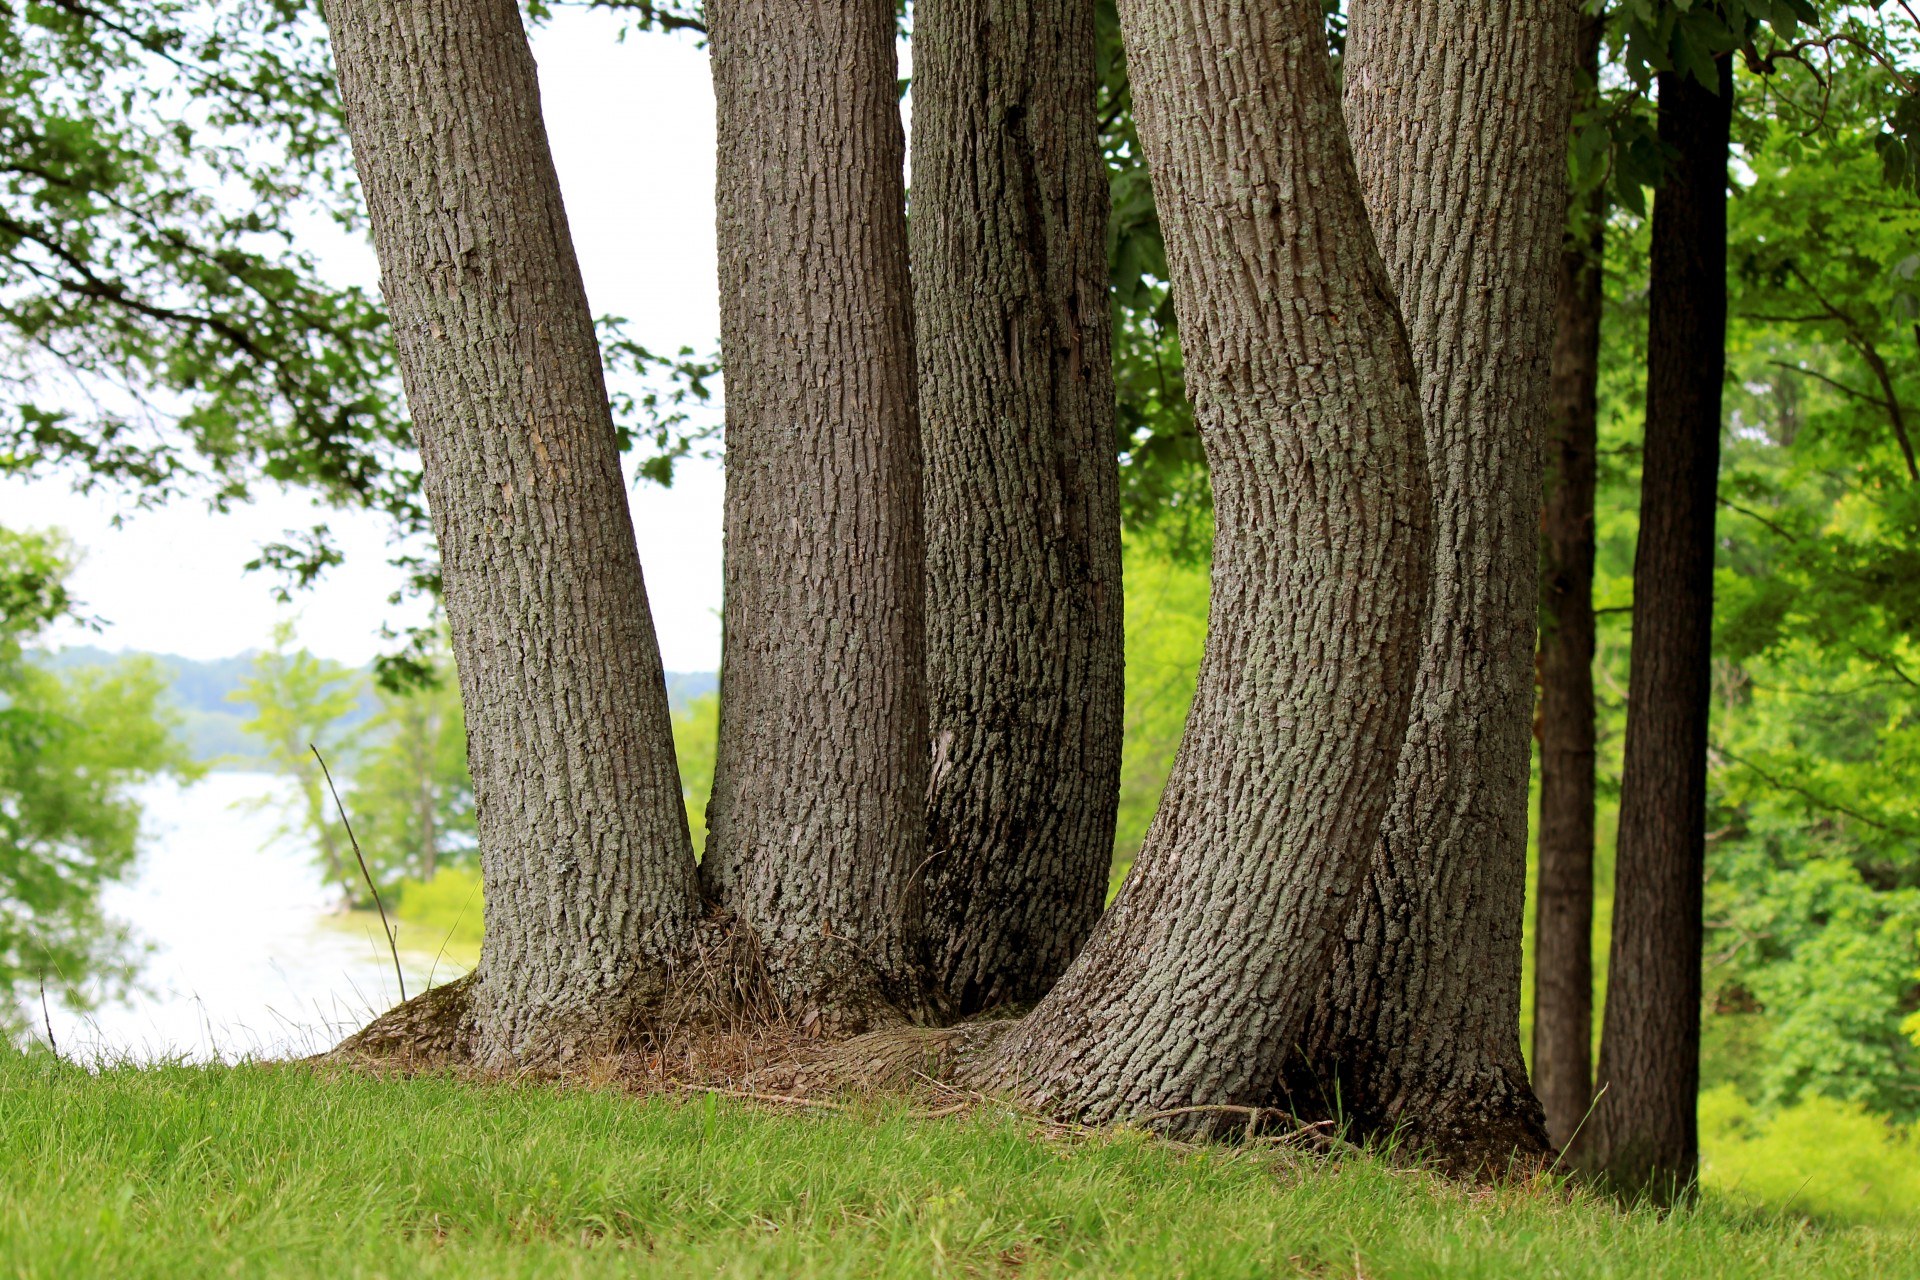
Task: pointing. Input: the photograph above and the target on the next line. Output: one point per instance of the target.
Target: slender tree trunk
(1642, 1138)
(1459, 112)
(1024, 675)
(819, 799)
(1563, 912)
(591, 890)
(1200, 976)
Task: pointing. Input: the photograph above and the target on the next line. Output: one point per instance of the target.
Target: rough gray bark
(1643, 1137)
(1563, 911)
(591, 891)
(1024, 630)
(819, 800)
(1199, 977)
(1459, 112)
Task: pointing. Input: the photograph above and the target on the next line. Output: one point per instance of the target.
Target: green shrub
(447, 909)
(1833, 1160)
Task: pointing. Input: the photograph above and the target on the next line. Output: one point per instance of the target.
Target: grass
(267, 1171)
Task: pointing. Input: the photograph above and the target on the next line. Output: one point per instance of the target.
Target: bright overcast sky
(632, 130)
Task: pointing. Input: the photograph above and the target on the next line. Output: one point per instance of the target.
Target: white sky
(632, 131)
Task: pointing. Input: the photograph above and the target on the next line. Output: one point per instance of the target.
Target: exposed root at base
(899, 1058)
(721, 984)
(433, 1030)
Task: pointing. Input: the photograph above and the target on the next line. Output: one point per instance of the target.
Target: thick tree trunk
(1024, 676)
(591, 892)
(819, 800)
(1563, 908)
(1459, 111)
(1198, 979)
(1642, 1138)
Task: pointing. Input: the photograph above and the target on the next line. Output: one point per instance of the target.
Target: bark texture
(819, 801)
(1199, 977)
(1642, 1138)
(1024, 629)
(1458, 111)
(591, 891)
(1563, 907)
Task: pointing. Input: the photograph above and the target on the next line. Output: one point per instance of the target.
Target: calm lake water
(243, 951)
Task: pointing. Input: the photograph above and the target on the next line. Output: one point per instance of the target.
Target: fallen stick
(1215, 1108)
(786, 1099)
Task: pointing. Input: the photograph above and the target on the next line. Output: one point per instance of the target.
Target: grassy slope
(278, 1171)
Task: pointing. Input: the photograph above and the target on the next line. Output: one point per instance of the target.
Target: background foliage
(72, 745)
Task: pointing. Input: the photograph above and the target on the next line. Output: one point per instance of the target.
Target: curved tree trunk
(818, 810)
(1459, 111)
(591, 892)
(1563, 909)
(1024, 675)
(1643, 1137)
(1199, 977)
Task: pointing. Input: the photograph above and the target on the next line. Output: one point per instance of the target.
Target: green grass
(263, 1171)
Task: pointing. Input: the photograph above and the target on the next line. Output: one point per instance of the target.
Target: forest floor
(271, 1170)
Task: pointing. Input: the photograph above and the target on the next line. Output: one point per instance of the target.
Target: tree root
(435, 1029)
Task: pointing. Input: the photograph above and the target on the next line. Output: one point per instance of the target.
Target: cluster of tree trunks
(1563, 892)
(1632, 1124)
(1459, 112)
(1200, 976)
(921, 687)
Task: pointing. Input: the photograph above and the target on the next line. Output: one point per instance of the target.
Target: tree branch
(1818, 801)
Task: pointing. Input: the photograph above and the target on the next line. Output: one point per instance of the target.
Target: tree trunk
(1199, 978)
(591, 891)
(819, 800)
(1642, 1138)
(1024, 675)
(1459, 112)
(1563, 911)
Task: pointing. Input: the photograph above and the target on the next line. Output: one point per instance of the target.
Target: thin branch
(1730, 505)
(1818, 801)
(664, 22)
(1837, 385)
(1858, 340)
(1816, 318)
(47, 1018)
(1886, 660)
(784, 1099)
(392, 944)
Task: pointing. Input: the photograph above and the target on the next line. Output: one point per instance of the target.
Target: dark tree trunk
(1200, 976)
(819, 801)
(1563, 909)
(1024, 676)
(1642, 1138)
(1459, 111)
(591, 893)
